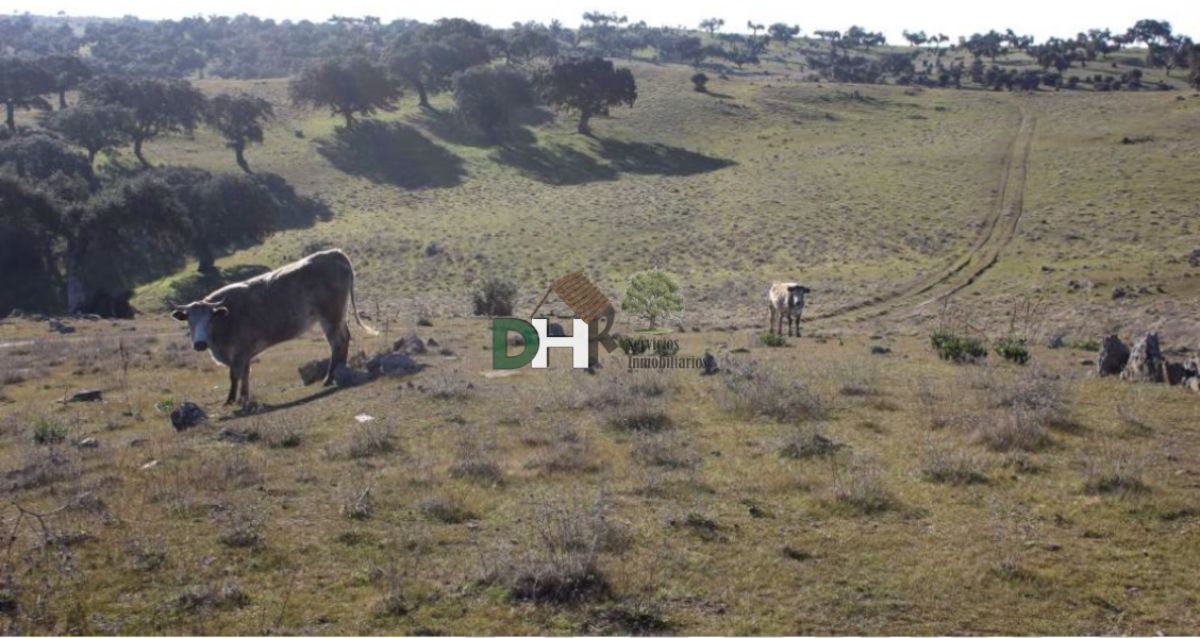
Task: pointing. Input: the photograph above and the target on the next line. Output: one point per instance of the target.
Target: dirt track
(999, 228)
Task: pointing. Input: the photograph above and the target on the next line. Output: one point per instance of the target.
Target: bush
(807, 443)
(495, 299)
(749, 391)
(700, 83)
(951, 347)
(859, 484)
(772, 340)
(1012, 349)
(1113, 472)
(48, 433)
(633, 345)
(951, 466)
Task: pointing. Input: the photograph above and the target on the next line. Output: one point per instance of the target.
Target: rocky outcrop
(1146, 362)
(1114, 354)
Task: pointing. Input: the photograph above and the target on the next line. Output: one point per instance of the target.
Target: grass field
(820, 488)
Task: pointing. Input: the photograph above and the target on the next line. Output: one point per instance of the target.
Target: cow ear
(180, 314)
(220, 311)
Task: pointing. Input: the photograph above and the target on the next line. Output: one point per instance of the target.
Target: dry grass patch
(749, 390)
(858, 483)
(666, 450)
(1114, 472)
(808, 442)
(952, 466)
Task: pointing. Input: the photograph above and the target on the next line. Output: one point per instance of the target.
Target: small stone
(411, 344)
(151, 465)
(85, 396)
(187, 415)
(880, 350)
(89, 443)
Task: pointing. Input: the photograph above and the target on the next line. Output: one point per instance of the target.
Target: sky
(1041, 18)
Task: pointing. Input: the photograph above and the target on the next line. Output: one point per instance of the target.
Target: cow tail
(354, 305)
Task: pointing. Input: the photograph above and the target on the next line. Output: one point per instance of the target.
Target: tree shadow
(558, 165)
(392, 153)
(449, 127)
(295, 210)
(657, 159)
(723, 96)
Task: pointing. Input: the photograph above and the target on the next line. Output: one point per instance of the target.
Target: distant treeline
(250, 47)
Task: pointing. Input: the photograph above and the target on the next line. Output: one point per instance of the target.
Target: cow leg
(338, 336)
(234, 377)
(246, 383)
(771, 321)
(791, 326)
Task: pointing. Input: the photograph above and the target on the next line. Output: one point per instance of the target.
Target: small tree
(488, 97)
(347, 86)
(94, 127)
(428, 66)
(783, 33)
(239, 119)
(22, 85)
(588, 87)
(712, 25)
(652, 295)
(700, 83)
(222, 211)
(67, 72)
(158, 106)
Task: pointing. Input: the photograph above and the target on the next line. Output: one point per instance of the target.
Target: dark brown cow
(241, 320)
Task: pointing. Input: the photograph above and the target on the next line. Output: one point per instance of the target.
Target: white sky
(1042, 18)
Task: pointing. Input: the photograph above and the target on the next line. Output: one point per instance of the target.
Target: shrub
(750, 391)
(666, 347)
(772, 340)
(951, 466)
(495, 298)
(640, 415)
(670, 451)
(444, 509)
(951, 347)
(808, 442)
(1113, 472)
(1012, 349)
(859, 484)
(632, 346)
(700, 83)
(1017, 429)
(560, 562)
(48, 433)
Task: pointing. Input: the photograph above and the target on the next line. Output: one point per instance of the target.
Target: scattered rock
(392, 364)
(364, 418)
(85, 396)
(1194, 258)
(431, 342)
(1082, 284)
(710, 364)
(880, 350)
(88, 443)
(1056, 341)
(347, 377)
(1119, 293)
(555, 330)
(60, 327)
(411, 344)
(187, 415)
(150, 465)
(515, 339)
(1114, 354)
(1146, 361)
(313, 371)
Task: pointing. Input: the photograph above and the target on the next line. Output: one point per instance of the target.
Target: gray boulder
(313, 371)
(411, 344)
(347, 377)
(1146, 362)
(1114, 354)
(392, 364)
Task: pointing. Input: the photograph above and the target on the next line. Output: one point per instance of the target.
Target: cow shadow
(391, 153)
(259, 409)
(657, 159)
(557, 165)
